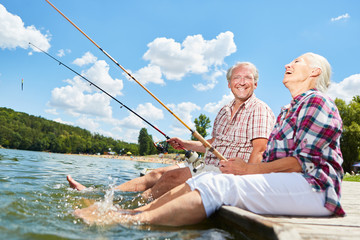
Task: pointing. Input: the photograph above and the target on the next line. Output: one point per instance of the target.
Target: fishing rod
(93, 84)
(206, 144)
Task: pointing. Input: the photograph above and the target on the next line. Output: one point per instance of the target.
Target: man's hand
(176, 143)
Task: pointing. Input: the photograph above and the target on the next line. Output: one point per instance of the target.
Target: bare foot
(95, 214)
(74, 184)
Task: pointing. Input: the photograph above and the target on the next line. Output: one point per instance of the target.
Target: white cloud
(132, 122)
(52, 111)
(63, 122)
(193, 56)
(86, 59)
(344, 16)
(149, 74)
(147, 111)
(63, 52)
(78, 97)
(75, 102)
(150, 112)
(130, 135)
(13, 33)
(345, 89)
(214, 107)
(211, 81)
(183, 111)
(88, 123)
(98, 73)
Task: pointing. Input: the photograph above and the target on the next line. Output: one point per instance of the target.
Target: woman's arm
(240, 167)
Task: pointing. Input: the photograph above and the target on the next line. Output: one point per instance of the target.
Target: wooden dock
(252, 226)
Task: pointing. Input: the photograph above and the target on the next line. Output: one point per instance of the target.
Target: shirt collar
(245, 104)
(300, 97)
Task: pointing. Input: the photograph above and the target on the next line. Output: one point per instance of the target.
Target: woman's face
(297, 71)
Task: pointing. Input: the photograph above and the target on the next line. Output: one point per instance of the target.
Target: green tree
(201, 124)
(350, 138)
(143, 141)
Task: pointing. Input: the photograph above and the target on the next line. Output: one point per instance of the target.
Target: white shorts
(274, 193)
(207, 168)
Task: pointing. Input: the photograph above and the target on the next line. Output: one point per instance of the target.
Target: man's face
(242, 83)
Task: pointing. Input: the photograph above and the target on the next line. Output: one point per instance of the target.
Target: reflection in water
(37, 203)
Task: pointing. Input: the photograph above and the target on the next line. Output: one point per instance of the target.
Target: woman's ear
(315, 72)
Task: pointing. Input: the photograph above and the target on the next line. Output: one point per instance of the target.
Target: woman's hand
(234, 166)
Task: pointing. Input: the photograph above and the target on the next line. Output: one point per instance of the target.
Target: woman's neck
(297, 89)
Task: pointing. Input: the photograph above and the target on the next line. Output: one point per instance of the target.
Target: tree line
(26, 132)
(350, 138)
(146, 142)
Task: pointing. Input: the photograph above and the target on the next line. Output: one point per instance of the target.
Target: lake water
(37, 203)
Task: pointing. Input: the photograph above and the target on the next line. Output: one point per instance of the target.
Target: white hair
(240, 64)
(317, 61)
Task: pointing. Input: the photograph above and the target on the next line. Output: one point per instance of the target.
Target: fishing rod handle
(208, 145)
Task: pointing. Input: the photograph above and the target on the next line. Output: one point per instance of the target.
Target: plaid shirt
(309, 130)
(253, 119)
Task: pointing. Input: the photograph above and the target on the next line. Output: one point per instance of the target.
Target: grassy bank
(352, 178)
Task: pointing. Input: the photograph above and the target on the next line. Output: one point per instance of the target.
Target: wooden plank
(285, 227)
(251, 225)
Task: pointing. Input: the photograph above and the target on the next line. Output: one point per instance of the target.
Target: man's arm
(259, 146)
(196, 146)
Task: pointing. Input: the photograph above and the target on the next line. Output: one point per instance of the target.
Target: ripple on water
(37, 203)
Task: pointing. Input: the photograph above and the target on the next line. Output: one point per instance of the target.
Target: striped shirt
(253, 119)
(309, 129)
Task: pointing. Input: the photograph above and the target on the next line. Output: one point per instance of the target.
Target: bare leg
(178, 207)
(145, 182)
(168, 181)
(187, 209)
(74, 184)
(95, 215)
(137, 184)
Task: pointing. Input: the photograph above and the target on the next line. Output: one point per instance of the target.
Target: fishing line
(157, 146)
(206, 144)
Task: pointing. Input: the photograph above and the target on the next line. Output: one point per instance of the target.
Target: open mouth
(241, 89)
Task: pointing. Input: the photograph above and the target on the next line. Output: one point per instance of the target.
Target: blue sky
(180, 50)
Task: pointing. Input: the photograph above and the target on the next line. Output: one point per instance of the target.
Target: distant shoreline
(165, 159)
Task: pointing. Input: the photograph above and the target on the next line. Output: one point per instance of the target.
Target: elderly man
(241, 130)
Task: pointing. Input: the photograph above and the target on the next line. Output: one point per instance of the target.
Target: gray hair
(240, 64)
(317, 61)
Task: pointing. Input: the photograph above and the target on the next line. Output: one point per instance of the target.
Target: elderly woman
(300, 173)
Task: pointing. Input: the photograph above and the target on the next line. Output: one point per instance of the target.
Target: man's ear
(315, 72)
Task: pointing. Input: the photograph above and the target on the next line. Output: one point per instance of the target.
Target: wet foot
(74, 184)
(95, 214)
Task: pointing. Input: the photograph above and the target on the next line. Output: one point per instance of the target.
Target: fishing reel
(162, 147)
(193, 158)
